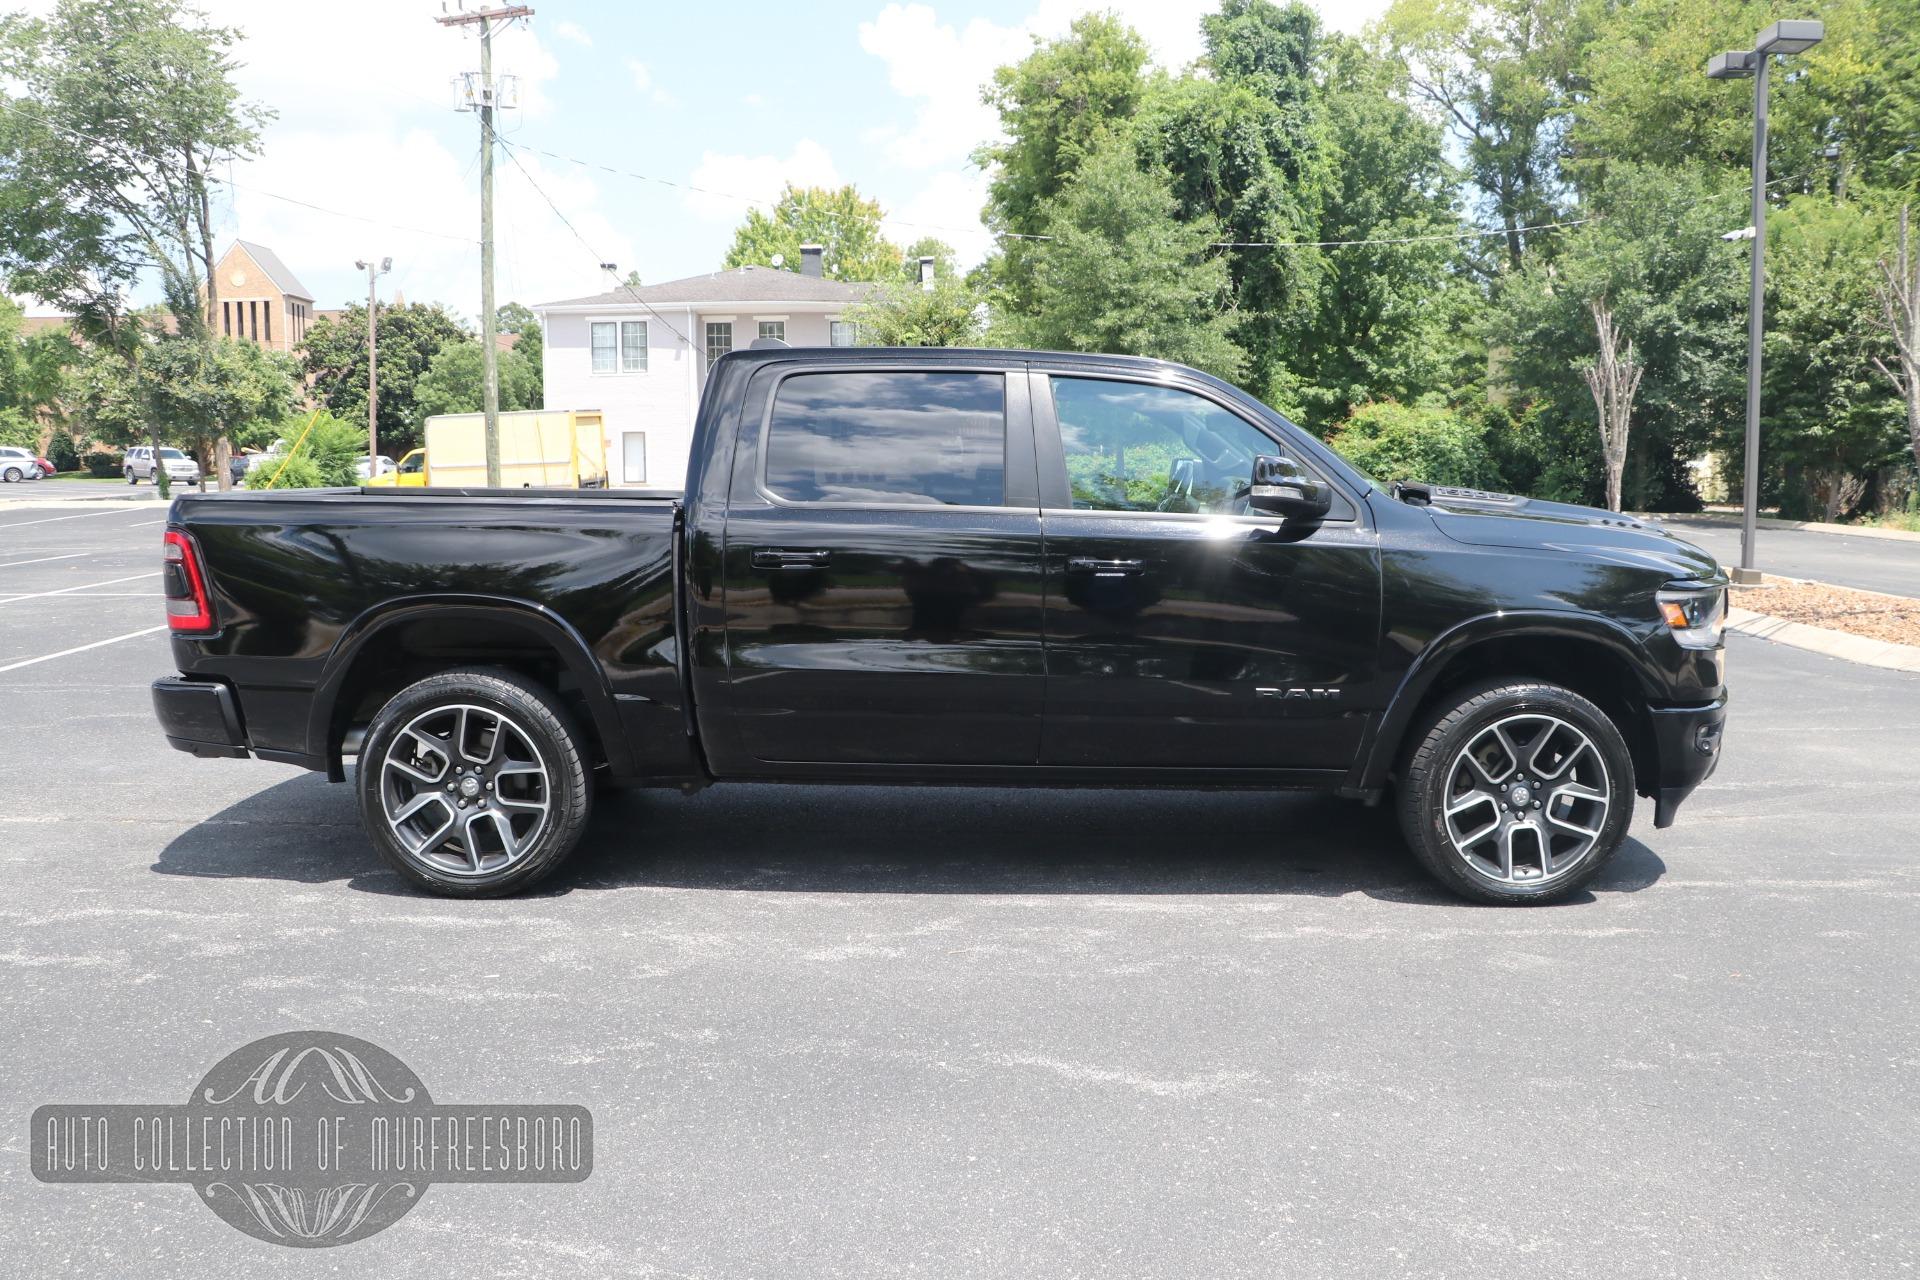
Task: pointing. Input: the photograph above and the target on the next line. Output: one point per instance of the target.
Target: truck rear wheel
(473, 783)
(1517, 791)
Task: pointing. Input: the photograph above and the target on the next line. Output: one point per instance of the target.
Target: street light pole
(373, 363)
(1782, 37)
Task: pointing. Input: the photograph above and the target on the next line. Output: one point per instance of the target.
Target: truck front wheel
(1516, 791)
(473, 783)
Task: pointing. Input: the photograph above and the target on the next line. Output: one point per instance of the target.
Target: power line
(511, 149)
(23, 104)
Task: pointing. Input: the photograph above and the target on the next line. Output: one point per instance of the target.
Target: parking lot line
(70, 555)
(40, 595)
(49, 657)
(122, 511)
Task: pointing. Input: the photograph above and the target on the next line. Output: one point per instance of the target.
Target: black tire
(12, 475)
(132, 478)
(391, 767)
(1427, 783)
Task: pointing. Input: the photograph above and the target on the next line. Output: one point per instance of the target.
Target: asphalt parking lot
(829, 1032)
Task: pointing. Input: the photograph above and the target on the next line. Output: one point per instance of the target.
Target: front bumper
(199, 716)
(1687, 740)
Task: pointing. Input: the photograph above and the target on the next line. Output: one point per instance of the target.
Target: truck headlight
(1697, 617)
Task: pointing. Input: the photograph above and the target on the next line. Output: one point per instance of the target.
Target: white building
(640, 355)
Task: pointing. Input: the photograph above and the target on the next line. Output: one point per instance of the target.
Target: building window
(776, 329)
(226, 318)
(719, 339)
(633, 346)
(266, 318)
(253, 319)
(842, 333)
(605, 337)
(633, 457)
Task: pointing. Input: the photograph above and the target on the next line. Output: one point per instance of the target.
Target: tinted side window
(884, 437)
(1134, 447)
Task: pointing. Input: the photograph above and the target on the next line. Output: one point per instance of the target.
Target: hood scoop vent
(1417, 494)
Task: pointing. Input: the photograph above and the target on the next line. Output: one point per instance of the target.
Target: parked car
(138, 465)
(367, 468)
(17, 464)
(410, 473)
(46, 467)
(1007, 567)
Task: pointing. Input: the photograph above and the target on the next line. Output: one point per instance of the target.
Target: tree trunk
(1899, 291)
(1614, 379)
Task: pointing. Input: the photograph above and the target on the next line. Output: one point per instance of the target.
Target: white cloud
(948, 207)
(759, 178)
(643, 81)
(575, 32)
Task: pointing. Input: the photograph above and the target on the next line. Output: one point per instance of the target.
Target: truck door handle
(781, 558)
(1106, 568)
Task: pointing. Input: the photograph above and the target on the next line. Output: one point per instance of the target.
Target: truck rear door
(882, 572)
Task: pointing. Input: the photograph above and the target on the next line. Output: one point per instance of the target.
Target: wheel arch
(401, 641)
(1596, 658)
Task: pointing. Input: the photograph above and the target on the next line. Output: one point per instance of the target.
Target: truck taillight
(185, 585)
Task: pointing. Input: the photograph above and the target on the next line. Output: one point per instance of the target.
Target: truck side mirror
(1282, 487)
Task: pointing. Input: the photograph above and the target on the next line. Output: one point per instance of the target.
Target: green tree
(1122, 273)
(1393, 316)
(934, 247)
(1501, 76)
(123, 113)
(452, 382)
(520, 321)
(1677, 292)
(845, 223)
(1056, 107)
(907, 315)
(33, 375)
(334, 356)
(1830, 419)
(1244, 148)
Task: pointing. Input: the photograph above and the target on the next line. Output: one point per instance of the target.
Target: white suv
(139, 465)
(18, 464)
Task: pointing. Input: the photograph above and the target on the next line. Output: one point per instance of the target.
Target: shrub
(63, 453)
(299, 473)
(325, 458)
(103, 465)
(1392, 442)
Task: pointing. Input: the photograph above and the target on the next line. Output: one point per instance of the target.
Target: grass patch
(1907, 520)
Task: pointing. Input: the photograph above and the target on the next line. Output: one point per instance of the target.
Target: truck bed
(328, 597)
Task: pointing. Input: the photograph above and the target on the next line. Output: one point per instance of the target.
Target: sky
(651, 129)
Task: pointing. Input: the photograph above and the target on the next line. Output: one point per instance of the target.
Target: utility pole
(373, 363)
(483, 102)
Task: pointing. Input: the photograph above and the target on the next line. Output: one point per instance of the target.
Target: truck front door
(882, 573)
(1183, 631)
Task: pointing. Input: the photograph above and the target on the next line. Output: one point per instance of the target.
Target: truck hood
(1507, 520)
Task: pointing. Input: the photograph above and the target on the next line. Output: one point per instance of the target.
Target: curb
(1834, 644)
(1718, 521)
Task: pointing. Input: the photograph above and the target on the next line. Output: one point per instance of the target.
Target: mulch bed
(1861, 613)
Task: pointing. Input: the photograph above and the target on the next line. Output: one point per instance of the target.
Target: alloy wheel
(465, 790)
(1527, 799)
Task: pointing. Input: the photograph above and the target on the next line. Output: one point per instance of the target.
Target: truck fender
(1382, 743)
(536, 619)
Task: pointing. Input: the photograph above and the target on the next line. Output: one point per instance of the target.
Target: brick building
(260, 299)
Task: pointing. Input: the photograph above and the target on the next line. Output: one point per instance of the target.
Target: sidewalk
(1731, 520)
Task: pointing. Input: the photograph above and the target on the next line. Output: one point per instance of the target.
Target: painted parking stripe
(21, 524)
(71, 555)
(49, 657)
(41, 595)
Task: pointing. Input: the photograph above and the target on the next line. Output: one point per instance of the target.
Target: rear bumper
(199, 716)
(1688, 742)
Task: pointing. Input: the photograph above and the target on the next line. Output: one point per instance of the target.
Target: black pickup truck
(946, 566)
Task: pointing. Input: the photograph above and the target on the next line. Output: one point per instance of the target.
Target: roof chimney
(810, 260)
(926, 271)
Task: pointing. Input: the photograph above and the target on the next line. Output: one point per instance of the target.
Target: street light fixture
(373, 376)
(1789, 36)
